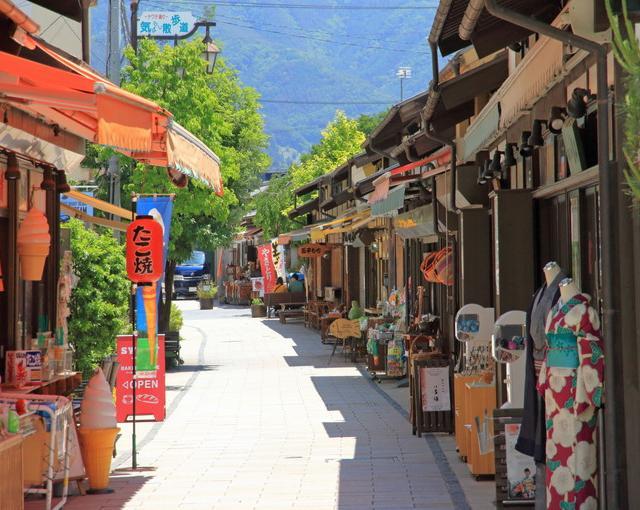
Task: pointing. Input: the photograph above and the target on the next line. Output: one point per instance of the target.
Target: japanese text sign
(150, 384)
(312, 250)
(267, 267)
(165, 24)
(144, 250)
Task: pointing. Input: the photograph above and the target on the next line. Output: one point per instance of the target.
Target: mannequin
(571, 382)
(532, 438)
(568, 290)
(551, 270)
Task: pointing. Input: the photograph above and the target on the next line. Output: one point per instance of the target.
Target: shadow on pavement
(125, 486)
(382, 466)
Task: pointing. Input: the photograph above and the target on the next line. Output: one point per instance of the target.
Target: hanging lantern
(144, 250)
(34, 243)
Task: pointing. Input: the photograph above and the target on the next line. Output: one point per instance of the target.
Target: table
(11, 484)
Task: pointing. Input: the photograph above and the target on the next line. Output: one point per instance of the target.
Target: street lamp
(404, 73)
(210, 52)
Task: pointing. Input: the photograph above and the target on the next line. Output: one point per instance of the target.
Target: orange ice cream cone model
(149, 298)
(97, 450)
(34, 242)
(98, 432)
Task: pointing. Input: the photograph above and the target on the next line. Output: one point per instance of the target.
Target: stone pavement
(257, 419)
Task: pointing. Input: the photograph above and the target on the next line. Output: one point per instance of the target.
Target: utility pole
(113, 73)
(404, 73)
(134, 25)
(113, 70)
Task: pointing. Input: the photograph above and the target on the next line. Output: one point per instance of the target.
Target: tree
(341, 139)
(367, 123)
(225, 116)
(272, 207)
(100, 299)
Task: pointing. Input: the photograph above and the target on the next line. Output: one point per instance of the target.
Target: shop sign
(165, 24)
(144, 250)
(345, 328)
(436, 394)
(257, 285)
(312, 250)
(150, 384)
(416, 223)
(267, 267)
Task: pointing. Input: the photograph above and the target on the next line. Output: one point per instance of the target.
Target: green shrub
(175, 320)
(206, 290)
(100, 299)
(257, 301)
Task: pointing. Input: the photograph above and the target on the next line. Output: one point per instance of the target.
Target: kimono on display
(571, 381)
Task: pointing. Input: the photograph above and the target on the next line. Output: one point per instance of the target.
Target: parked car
(189, 274)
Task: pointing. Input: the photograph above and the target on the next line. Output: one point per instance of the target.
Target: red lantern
(144, 250)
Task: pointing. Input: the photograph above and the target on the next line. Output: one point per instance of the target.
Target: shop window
(568, 233)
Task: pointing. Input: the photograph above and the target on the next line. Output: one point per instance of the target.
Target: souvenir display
(508, 348)
(571, 381)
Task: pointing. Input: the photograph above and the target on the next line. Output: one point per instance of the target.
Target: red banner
(150, 384)
(265, 256)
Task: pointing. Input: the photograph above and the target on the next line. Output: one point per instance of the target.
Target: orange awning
(80, 101)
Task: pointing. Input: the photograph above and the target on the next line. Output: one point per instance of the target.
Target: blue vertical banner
(160, 207)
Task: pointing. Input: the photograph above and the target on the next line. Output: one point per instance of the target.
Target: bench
(283, 299)
(172, 349)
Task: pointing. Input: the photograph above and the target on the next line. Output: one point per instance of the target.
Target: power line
(221, 20)
(330, 41)
(361, 37)
(273, 5)
(330, 103)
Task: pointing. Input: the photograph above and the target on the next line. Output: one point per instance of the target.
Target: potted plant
(258, 309)
(206, 293)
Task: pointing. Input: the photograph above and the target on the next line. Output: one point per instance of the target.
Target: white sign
(436, 395)
(165, 24)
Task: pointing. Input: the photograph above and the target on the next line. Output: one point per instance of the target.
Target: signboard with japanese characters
(165, 24)
(312, 250)
(144, 250)
(265, 257)
(436, 394)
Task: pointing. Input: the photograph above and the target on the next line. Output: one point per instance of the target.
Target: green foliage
(175, 320)
(272, 207)
(367, 123)
(341, 139)
(206, 290)
(99, 302)
(224, 115)
(257, 301)
(627, 53)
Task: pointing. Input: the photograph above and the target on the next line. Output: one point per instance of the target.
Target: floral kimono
(571, 384)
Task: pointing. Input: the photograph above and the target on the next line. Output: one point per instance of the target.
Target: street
(257, 419)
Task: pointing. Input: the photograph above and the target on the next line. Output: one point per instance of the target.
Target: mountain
(308, 58)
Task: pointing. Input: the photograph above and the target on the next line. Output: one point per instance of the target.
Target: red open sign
(144, 250)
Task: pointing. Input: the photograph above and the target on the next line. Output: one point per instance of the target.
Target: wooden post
(12, 175)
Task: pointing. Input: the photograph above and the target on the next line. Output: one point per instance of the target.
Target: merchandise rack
(380, 369)
(60, 419)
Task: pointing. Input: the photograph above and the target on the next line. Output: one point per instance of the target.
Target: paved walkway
(259, 420)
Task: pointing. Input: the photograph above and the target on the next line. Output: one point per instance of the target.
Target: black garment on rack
(533, 435)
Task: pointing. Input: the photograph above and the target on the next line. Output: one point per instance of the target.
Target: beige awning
(99, 204)
(191, 157)
(115, 225)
